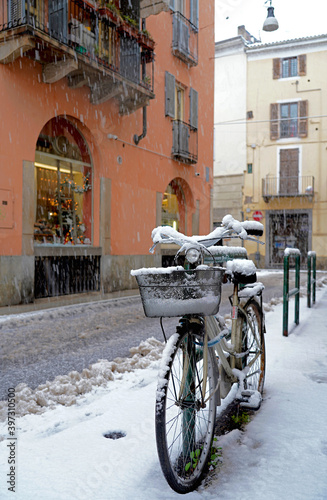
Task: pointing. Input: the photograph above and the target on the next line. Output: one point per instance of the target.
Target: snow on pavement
(62, 454)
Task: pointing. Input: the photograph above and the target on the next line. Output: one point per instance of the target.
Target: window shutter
(194, 13)
(172, 4)
(276, 68)
(169, 95)
(302, 65)
(183, 37)
(193, 108)
(273, 121)
(303, 118)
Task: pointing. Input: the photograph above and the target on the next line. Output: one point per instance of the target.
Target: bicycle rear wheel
(185, 414)
(253, 344)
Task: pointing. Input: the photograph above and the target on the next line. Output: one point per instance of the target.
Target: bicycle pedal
(250, 399)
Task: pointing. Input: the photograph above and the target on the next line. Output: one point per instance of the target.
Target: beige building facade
(285, 180)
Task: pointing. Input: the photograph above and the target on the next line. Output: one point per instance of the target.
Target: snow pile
(225, 251)
(66, 389)
(291, 251)
(241, 266)
(156, 270)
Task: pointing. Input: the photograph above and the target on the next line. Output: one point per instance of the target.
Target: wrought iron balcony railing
(185, 142)
(185, 39)
(275, 187)
(86, 41)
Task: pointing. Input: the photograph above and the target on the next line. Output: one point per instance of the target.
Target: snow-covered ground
(62, 454)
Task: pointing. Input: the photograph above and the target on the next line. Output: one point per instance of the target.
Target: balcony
(282, 187)
(185, 39)
(91, 43)
(185, 142)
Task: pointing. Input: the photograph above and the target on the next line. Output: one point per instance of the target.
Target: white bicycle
(205, 358)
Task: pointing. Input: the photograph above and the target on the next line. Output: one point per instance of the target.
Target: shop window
(170, 213)
(288, 230)
(63, 176)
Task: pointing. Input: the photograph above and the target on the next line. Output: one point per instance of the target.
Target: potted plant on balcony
(145, 40)
(109, 10)
(129, 27)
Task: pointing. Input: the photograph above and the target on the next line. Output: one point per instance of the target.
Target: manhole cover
(114, 435)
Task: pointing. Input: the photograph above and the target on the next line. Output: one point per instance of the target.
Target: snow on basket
(173, 291)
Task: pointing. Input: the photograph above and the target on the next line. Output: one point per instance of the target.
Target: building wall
(127, 178)
(264, 154)
(230, 127)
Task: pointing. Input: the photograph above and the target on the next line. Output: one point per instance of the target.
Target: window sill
(50, 249)
(289, 78)
(289, 140)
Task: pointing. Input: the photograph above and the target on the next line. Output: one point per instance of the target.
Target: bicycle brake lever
(152, 249)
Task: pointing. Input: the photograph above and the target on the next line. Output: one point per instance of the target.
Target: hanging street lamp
(271, 23)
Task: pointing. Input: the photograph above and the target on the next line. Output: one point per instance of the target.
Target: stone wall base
(115, 270)
(16, 280)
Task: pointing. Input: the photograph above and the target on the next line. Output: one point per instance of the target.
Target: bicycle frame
(231, 368)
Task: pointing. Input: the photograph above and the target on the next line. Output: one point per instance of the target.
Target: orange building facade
(106, 132)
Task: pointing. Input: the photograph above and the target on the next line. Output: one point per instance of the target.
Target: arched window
(63, 173)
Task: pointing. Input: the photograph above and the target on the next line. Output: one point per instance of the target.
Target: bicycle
(204, 358)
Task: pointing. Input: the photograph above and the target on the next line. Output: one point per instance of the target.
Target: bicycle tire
(253, 344)
(183, 426)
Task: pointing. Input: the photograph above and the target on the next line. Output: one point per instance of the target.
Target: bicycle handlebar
(230, 226)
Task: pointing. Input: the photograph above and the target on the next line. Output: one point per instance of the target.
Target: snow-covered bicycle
(205, 358)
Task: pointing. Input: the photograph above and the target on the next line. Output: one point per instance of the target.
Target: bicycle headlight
(193, 255)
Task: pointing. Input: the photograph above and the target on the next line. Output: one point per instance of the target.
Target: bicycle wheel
(185, 417)
(253, 344)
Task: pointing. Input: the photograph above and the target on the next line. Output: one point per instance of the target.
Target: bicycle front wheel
(253, 344)
(185, 413)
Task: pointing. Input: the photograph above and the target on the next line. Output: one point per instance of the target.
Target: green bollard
(297, 286)
(314, 278)
(285, 296)
(309, 282)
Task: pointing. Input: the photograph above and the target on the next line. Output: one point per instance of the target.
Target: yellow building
(285, 179)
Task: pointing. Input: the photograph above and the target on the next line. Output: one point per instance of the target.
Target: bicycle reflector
(193, 255)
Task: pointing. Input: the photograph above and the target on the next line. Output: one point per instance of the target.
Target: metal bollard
(295, 291)
(311, 258)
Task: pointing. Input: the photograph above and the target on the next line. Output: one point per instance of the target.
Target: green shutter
(169, 95)
(193, 108)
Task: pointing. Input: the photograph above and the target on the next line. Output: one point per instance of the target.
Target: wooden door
(289, 172)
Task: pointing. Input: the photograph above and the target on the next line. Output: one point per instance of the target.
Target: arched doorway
(176, 202)
(176, 210)
(65, 261)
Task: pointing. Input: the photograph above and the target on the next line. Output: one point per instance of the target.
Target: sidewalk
(66, 300)
(282, 453)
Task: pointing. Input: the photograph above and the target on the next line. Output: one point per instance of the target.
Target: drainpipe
(138, 138)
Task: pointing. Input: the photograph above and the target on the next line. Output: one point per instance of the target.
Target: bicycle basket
(176, 292)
